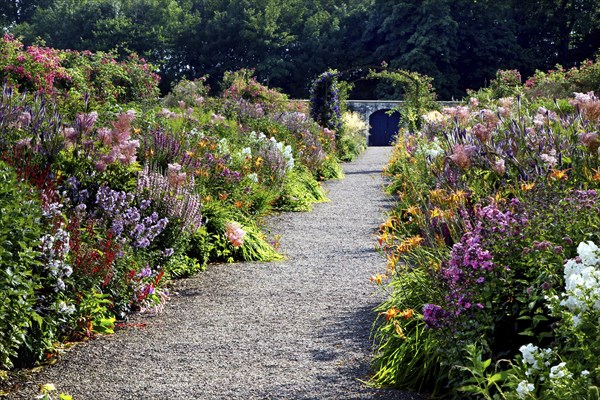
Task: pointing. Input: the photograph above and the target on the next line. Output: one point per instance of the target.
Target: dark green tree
(18, 11)
(556, 31)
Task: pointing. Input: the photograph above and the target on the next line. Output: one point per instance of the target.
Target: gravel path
(296, 329)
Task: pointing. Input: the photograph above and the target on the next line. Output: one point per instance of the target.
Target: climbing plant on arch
(327, 93)
(326, 100)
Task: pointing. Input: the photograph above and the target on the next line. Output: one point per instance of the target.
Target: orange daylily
(410, 243)
(391, 313)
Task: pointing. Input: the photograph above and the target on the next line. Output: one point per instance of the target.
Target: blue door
(383, 127)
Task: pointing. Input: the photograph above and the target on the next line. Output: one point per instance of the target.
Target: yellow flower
(439, 239)
(399, 330)
(47, 388)
(258, 162)
(559, 175)
(389, 223)
(436, 212)
(392, 260)
(457, 197)
(527, 186)
(413, 210)
(383, 239)
(437, 195)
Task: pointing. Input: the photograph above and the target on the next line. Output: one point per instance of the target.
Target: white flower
(524, 388)
(253, 177)
(589, 253)
(585, 372)
(528, 352)
(246, 152)
(560, 371)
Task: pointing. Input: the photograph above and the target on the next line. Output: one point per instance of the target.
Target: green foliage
(20, 232)
(192, 255)
(188, 92)
(300, 191)
(460, 43)
(418, 94)
(482, 382)
(330, 169)
(408, 354)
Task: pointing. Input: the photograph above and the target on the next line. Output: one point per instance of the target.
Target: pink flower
(101, 165)
(25, 118)
(462, 155)
(490, 118)
(105, 136)
(129, 151)
(460, 113)
(235, 234)
(215, 118)
(481, 132)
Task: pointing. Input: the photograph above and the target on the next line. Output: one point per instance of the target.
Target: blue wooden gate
(383, 128)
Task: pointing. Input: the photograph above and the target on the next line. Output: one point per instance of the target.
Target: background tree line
(460, 43)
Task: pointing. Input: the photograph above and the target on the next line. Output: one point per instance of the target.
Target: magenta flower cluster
(472, 264)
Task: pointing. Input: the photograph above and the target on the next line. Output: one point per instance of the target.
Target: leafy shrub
(560, 82)
(300, 191)
(95, 77)
(20, 234)
(187, 93)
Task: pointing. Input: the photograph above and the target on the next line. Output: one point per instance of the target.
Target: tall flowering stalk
(174, 194)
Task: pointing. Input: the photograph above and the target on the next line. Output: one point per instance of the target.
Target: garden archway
(328, 95)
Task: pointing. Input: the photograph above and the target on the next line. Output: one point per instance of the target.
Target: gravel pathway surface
(295, 329)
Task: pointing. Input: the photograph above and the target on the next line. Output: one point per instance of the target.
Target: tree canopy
(459, 43)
